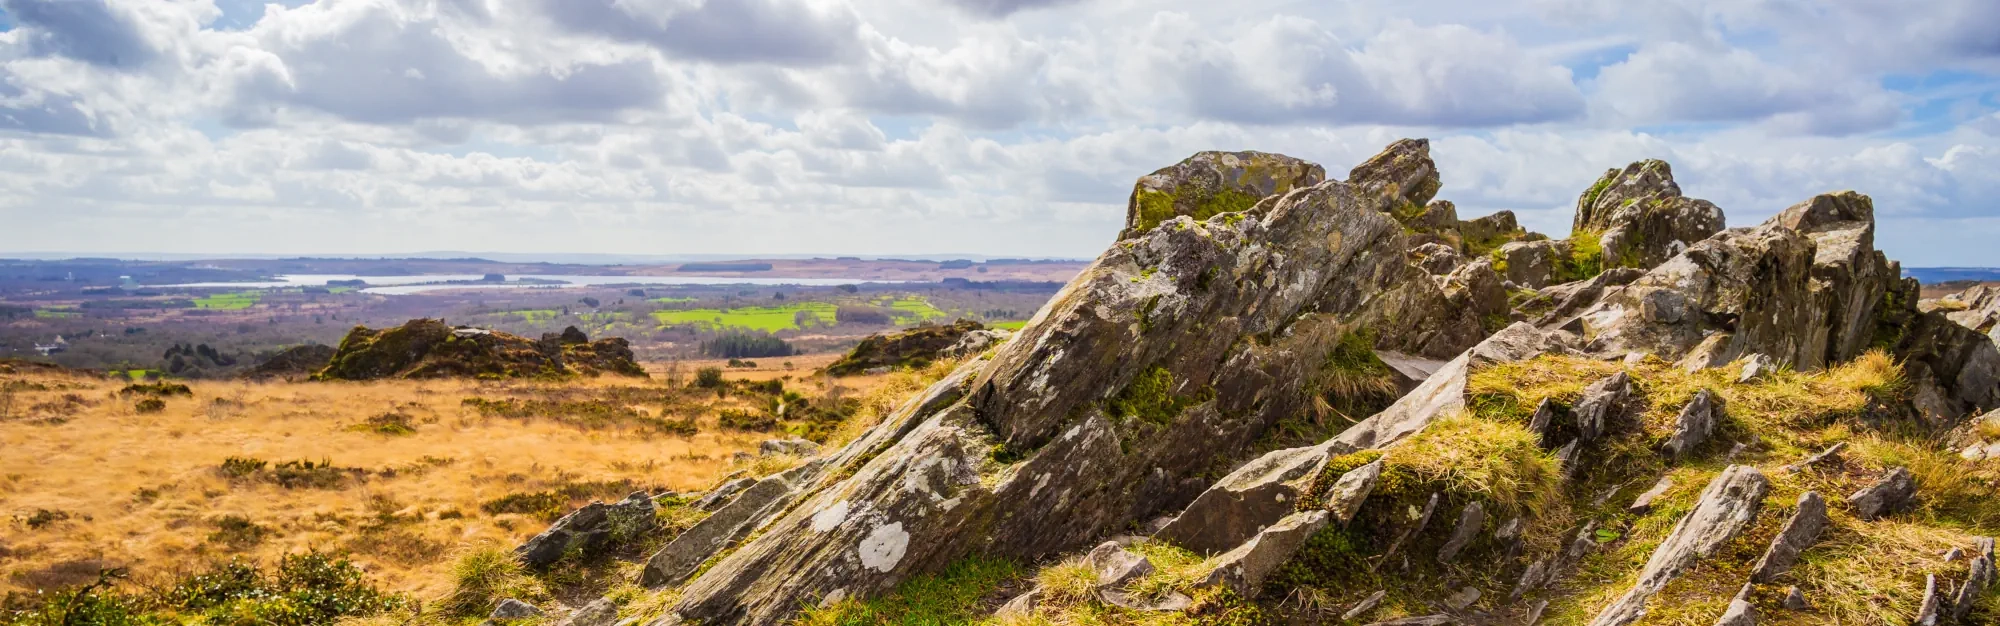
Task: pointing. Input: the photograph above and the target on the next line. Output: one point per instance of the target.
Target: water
(405, 285)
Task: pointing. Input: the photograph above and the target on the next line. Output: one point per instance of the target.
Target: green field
(536, 315)
(1008, 325)
(912, 307)
(229, 301)
(763, 318)
(671, 300)
(53, 314)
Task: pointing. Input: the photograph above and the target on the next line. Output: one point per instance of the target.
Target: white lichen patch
(883, 548)
(833, 598)
(830, 517)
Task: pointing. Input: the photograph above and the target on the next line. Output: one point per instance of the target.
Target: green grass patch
(235, 301)
(953, 596)
(1016, 325)
(768, 319)
(56, 314)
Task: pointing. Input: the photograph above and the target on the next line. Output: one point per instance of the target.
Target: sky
(993, 127)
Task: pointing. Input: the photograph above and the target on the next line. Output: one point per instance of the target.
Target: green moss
(1597, 189)
(953, 596)
(1154, 207)
(1152, 397)
(1585, 260)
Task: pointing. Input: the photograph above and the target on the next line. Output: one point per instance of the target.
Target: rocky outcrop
(915, 347)
(428, 348)
(1402, 180)
(1246, 501)
(757, 504)
(1213, 183)
(588, 530)
(1639, 217)
(1245, 568)
(1726, 507)
(1444, 392)
(297, 362)
(1168, 356)
(1977, 308)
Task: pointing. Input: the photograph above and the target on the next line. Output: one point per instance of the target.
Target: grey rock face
(1640, 216)
(1246, 501)
(1727, 506)
(1601, 401)
(1933, 605)
(515, 609)
(1344, 499)
(600, 612)
(1799, 533)
(1756, 368)
(1464, 597)
(1533, 264)
(1244, 568)
(723, 493)
(1115, 566)
(588, 529)
(1444, 392)
(1979, 578)
(1644, 502)
(1795, 599)
(674, 563)
(1403, 175)
(1693, 426)
(1740, 611)
(1470, 521)
(1211, 183)
(1888, 495)
(976, 342)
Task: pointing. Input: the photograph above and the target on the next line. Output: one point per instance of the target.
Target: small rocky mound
(297, 362)
(1212, 183)
(428, 348)
(915, 347)
(1404, 180)
(1640, 218)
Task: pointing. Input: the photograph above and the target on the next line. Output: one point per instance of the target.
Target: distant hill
(1934, 275)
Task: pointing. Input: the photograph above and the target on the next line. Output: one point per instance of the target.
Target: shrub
(308, 589)
(392, 424)
(307, 474)
(482, 577)
(740, 419)
(150, 405)
(708, 377)
(158, 390)
(238, 532)
(242, 467)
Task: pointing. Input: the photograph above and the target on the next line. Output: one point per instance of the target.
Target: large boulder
(1639, 218)
(915, 347)
(1212, 183)
(1165, 359)
(428, 348)
(588, 530)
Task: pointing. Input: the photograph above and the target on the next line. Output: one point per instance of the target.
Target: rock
(1173, 601)
(1444, 393)
(1560, 306)
(1244, 568)
(1829, 455)
(1954, 554)
(1543, 419)
(1464, 597)
(515, 609)
(1022, 605)
(1345, 497)
(1470, 520)
(1977, 308)
(1535, 264)
(1570, 458)
(1978, 578)
(1436, 258)
(1115, 566)
(1484, 234)
(1726, 507)
(1644, 502)
(1601, 401)
(673, 564)
(1253, 497)
(427, 348)
(1693, 426)
(1740, 611)
(1795, 600)
(1410, 370)
(787, 447)
(600, 612)
(1403, 176)
(1756, 369)
(976, 342)
(1799, 533)
(1531, 578)
(1364, 606)
(588, 530)
(722, 494)
(1888, 495)
(1423, 519)
(1928, 612)
(915, 347)
(1213, 183)
(1640, 218)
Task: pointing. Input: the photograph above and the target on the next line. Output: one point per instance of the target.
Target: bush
(865, 315)
(746, 420)
(746, 346)
(238, 532)
(150, 405)
(708, 377)
(484, 576)
(308, 589)
(742, 364)
(391, 423)
(157, 390)
(242, 467)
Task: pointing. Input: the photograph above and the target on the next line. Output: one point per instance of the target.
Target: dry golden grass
(144, 489)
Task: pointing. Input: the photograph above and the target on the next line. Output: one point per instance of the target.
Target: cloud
(1291, 70)
(782, 32)
(91, 31)
(1678, 82)
(1004, 8)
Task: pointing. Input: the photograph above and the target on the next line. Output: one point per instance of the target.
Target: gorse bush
(305, 589)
